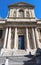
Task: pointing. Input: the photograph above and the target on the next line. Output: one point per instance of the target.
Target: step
(17, 60)
(2, 60)
(20, 53)
(14, 52)
(22, 63)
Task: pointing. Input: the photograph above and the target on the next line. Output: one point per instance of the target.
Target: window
(21, 13)
(27, 13)
(1, 31)
(40, 31)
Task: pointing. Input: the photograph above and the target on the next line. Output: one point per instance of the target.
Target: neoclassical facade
(20, 32)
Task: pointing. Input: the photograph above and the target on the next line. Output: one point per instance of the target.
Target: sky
(4, 7)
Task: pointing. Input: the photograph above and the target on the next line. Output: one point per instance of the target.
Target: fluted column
(15, 41)
(9, 39)
(5, 39)
(33, 34)
(27, 38)
(37, 38)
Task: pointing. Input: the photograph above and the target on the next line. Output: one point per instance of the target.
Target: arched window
(1, 32)
(21, 13)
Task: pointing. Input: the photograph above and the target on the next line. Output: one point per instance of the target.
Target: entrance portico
(17, 38)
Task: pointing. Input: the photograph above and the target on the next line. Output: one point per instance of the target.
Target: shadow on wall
(34, 60)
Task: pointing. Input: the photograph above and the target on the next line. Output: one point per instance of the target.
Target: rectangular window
(40, 31)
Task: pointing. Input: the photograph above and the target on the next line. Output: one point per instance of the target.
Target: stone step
(17, 60)
(2, 60)
(20, 53)
(13, 52)
(6, 52)
(22, 63)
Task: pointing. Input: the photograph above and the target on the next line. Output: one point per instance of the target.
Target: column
(28, 46)
(33, 34)
(15, 41)
(9, 39)
(5, 40)
(37, 38)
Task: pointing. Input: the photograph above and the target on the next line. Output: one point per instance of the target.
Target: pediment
(21, 4)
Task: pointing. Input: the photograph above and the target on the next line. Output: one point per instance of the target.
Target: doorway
(21, 42)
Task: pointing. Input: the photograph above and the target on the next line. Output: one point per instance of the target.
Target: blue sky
(4, 7)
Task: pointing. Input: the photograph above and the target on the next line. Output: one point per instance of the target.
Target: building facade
(20, 35)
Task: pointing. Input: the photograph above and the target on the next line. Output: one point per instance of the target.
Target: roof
(19, 4)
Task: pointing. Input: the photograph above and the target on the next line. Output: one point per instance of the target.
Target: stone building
(20, 36)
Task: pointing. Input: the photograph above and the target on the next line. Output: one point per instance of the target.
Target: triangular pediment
(21, 4)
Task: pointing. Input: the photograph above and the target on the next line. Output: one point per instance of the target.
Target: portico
(20, 38)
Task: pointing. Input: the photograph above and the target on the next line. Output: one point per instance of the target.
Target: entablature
(21, 24)
(21, 20)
